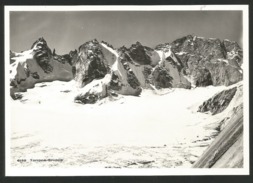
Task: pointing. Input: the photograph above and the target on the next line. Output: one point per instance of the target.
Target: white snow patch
(191, 80)
(161, 56)
(168, 53)
(242, 66)
(90, 51)
(232, 55)
(110, 49)
(222, 60)
(116, 64)
(181, 53)
(21, 57)
(200, 37)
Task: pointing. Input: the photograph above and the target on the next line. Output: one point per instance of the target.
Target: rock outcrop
(226, 151)
(37, 65)
(219, 102)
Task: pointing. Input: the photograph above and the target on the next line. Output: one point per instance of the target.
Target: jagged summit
(122, 48)
(40, 42)
(136, 44)
(37, 65)
(93, 42)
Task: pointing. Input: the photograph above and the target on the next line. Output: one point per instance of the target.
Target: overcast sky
(66, 31)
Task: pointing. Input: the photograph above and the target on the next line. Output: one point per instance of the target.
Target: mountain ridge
(187, 62)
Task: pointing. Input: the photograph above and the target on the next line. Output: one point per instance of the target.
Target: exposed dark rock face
(62, 58)
(73, 56)
(17, 96)
(90, 63)
(219, 102)
(147, 74)
(42, 55)
(221, 60)
(139, 54)
(87, 98)
(233, 52)
(161, 78)
(203, 77)
(131, 78)
(35, 75)
(224, 74)
(115, 82)
(209, 49)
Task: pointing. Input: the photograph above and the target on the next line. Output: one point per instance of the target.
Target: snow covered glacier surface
(154, 130)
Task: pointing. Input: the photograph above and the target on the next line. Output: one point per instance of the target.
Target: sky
(66, 31)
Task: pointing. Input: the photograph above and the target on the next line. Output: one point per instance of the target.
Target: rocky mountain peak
(92, 45)
(122, 48)
(136, 45)
(139, 54)
(37, 65)
(42, 54)
(41, 42)
(90, 52)
(205, 57)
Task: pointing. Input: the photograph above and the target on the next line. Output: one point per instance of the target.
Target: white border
(148, 172)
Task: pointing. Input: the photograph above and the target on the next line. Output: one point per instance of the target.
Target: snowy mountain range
(98, 71)
(102, 70)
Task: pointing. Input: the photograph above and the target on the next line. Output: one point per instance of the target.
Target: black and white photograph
(126, 90)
